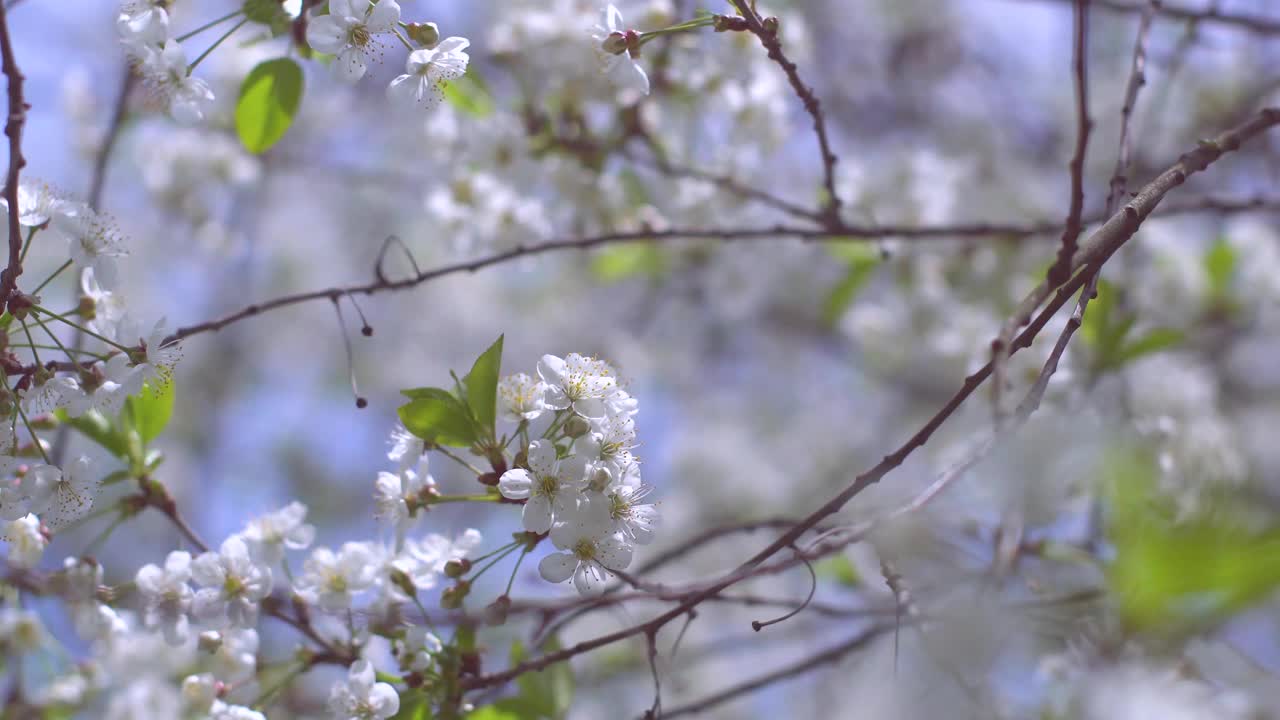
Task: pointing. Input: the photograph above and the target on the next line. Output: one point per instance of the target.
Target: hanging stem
(208, 25)
(215, 44)
(81, 328)
(49, 279)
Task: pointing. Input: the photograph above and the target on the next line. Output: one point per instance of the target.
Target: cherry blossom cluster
(351, 32)
(579, 480)
(161, 61)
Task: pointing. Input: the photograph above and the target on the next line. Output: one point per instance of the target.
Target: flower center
(360, 36)
(584, 549)
(548, 485)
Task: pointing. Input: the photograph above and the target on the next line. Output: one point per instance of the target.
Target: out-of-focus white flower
(165, 71)
(348, 32)
(611, 39)
(232, 585)
(166, 596)
(331, 579)
(426, 72)
(435, 550)
(397, 496)
(360, 697)
(26, 541)
(419, 648)
(269, 535)
(21, 631)
(406, 447)
(142, 23)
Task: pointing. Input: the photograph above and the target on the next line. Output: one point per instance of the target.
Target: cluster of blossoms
(579, 481)
(350, 32)
(160, 60)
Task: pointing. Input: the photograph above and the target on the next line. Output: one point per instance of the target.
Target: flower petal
(557, 567)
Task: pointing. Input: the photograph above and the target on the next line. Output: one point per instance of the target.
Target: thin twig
(1241, 21)
(13, 127)
(769, 38)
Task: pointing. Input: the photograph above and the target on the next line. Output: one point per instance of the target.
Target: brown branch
(1137, 78)
(97, 181)
(1097, 250)
(826, 657)
(769, 38)
(1084, 124)
(842, 234)
(1258, 24)
(13, 126)
(728, 185)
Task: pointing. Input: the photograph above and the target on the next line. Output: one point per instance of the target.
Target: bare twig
(842, 234)
(769, 38)
(1137, 78)
(1100, 246)
(728, 185)
(1242, 21)
(17, 119)
(103, 157)
(826, 657)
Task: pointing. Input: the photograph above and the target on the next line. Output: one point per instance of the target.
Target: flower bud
(490, 478)
(209, 641)
(425, 34)
(770, 24)
(20, 304)
(495, 613)
(457, 568)
(615, 43)
(576, 427)
(401, 579)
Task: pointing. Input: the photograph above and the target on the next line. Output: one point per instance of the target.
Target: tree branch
(13, 126)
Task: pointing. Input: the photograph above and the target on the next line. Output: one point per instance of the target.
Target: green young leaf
(1171, 574)
(149, 411)
(504, 709)
(1095, 327)
(470, 94)
(863, 262)
(1220, 265)
(839, 569)
(428, 392)
(482, 386)
(97, 428)
(440, 419)
(414, 705)
(1153, 341)
(620, 262)
(545, 694)
(269, 99)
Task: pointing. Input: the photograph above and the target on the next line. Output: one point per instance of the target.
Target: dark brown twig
(769, 38)
(13, 126)
(1242, 21)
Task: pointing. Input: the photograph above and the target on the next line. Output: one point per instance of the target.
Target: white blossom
(166, 596)
(26, 541)
(232, 584)
(361, 697)
(426, 71)
(615, 58)
(269, 535)
(348, 32)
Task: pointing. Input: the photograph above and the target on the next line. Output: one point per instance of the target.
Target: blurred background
(768, 372)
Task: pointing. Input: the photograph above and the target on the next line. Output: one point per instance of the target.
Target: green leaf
(149, 411)
(414, 705)
(549, 693)
(440, 419)
(1095, 326)
(620, 262)
(1152, 342)
(482, 386)
(1220, 265)
(1174, 574)
(504, 709)
(428, 392)
(97, 428)
(470, 94)
(839, 569)
(862, 266)
(269, 99)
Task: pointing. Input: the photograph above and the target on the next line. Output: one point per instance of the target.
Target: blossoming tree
(931, 430)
